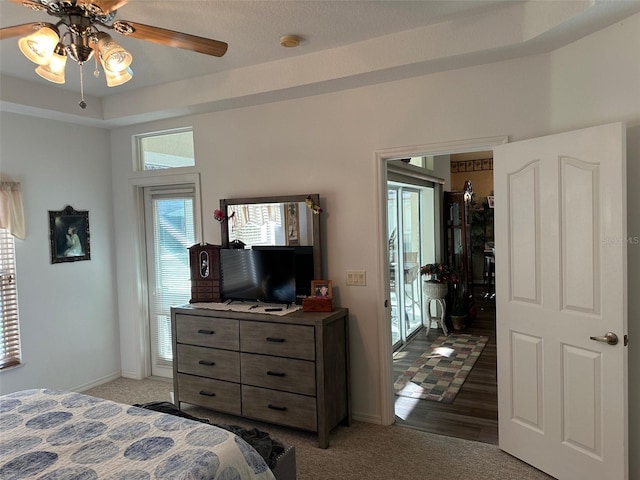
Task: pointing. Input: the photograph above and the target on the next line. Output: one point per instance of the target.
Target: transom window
(164, 150)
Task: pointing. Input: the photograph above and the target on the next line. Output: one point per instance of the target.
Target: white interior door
(560, 223)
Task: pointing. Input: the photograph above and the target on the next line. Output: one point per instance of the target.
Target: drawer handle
(275, 339)
(276, 407)
(207, 394)
(206, 332)
(275, 374)
(207, 362)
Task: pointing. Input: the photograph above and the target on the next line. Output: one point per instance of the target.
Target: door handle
(609, 338)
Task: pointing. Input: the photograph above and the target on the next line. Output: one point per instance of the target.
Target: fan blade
(101, 7)
(171, 38)
(33, 4)
(17, 30)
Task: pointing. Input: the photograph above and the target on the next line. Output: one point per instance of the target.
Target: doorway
(386, 158)
(473, 414)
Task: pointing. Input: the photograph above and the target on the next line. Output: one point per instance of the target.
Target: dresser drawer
(298, 376)
(295, 341)
(214, 394)
(279, 407)
(209, 362)
(207, 331)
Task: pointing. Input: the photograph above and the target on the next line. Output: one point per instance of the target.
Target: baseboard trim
(95, 383)
(362, 417)
(131, 375)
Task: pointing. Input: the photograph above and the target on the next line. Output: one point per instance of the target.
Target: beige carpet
(363, 451)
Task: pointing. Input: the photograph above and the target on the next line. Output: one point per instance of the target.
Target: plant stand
(436, 292)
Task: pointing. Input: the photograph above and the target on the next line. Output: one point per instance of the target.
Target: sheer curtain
(11, 212)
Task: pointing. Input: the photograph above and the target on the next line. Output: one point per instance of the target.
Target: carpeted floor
(363, 451)
(438, 374)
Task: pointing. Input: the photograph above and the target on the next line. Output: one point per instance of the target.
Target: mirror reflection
(289, 224)
(281, 221)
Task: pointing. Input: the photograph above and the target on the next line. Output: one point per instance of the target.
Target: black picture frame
(69, 235)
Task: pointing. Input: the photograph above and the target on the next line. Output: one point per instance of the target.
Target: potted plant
(438, 278)
(459, 307)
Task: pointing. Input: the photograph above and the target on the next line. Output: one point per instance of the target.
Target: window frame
(10, 348)
(139, 162)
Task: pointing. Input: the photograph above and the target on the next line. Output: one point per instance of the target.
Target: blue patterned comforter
(55, 435)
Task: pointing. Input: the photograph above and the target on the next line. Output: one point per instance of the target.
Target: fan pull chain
(82, 103)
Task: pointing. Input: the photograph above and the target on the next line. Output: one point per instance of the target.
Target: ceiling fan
(82, 39)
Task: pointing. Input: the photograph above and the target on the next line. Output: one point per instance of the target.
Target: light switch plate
(357, 277)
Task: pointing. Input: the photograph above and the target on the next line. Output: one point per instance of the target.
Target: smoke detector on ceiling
(290, 41)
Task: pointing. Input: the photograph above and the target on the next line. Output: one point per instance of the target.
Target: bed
(52, 434)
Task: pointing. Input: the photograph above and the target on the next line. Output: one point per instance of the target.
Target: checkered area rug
(438, 374)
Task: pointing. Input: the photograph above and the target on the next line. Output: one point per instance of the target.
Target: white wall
(68, 323)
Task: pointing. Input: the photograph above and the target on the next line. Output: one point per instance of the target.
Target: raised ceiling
(344, 43)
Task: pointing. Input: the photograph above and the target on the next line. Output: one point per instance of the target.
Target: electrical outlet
(357, 277)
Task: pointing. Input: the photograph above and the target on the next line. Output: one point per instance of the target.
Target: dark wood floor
(473, 415)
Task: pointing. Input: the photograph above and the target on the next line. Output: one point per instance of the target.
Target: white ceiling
(253, 28)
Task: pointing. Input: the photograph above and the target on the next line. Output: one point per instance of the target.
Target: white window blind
(171, 233)
(9, 327)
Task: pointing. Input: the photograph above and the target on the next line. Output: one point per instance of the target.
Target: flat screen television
(303, 256)
(258, 275)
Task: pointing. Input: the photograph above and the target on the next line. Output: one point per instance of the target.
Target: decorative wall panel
(582, 399)
(524, 234)
(526, 380)
(580, 246)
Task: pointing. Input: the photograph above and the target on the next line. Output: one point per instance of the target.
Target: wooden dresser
(291, 370)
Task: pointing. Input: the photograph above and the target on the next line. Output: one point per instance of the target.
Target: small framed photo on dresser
(321, 289)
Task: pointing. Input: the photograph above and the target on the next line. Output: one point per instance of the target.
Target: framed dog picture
(69, 235)
(321, 289)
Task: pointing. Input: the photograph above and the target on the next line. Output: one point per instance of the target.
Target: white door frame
(381, 157)
(137, 182)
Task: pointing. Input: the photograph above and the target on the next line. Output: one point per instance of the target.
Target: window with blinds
(9, 326)
(170, 232)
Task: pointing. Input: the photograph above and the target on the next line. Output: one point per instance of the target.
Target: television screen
(303, 255)
(258, 275)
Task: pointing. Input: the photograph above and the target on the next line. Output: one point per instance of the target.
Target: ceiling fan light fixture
(114, 58)
(115, 79)
(79, 52)
(38, 46)
(81, 39)
(54, 71)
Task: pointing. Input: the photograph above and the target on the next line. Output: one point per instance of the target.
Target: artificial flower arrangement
(315, 208)
(439, 273)
(220, 216)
